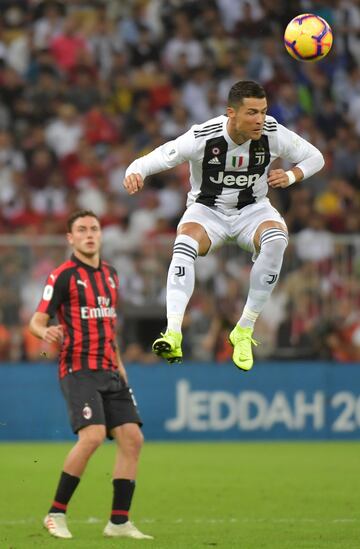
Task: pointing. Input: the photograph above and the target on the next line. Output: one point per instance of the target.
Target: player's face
(85, 236)
(247, 120)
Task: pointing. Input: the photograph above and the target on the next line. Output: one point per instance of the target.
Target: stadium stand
(86, 86)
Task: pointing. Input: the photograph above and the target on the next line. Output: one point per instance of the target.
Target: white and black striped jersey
(223, 174)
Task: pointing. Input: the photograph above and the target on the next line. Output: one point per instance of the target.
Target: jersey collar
(85, 265)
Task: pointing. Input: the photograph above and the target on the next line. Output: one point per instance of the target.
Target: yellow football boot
(168, 346)
(241, 339)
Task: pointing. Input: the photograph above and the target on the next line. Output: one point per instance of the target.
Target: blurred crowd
(87, 86)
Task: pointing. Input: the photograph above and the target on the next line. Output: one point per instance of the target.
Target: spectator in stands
(68, 44)
(49, 25)
(343, 338)
(314, 243)
(184, 43)
(64, 132)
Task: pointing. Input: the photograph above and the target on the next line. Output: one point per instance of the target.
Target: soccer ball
(308, 37)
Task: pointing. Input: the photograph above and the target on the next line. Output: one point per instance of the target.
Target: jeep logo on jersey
(232, 179)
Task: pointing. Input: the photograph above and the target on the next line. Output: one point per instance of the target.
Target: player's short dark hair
(242, 89)
(76, 215)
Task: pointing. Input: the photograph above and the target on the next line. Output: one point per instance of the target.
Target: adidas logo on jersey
(239, 180)
(214, 160)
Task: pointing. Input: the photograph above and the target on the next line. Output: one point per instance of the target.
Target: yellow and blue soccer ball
(308, 37)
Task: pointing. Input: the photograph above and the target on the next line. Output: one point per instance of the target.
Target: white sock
(180, 280)
(264, 274)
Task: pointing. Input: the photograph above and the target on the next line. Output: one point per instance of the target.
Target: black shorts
(98, 397)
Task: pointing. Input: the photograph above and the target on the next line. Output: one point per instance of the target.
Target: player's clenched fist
(278, 178)
(133, 183)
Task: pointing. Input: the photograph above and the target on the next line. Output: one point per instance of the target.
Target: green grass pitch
(193, 496)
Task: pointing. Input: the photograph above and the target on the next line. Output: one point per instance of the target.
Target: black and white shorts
(98, 398)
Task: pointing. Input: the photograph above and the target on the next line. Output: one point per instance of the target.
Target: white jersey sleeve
(294, 148)
(166, 156)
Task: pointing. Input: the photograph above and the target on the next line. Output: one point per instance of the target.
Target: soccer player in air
(229, 158)
(83, 293)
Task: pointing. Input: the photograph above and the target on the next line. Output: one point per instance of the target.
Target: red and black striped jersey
(84, 299)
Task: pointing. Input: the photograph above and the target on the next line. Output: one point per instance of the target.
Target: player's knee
(274, 240)
(273, 250)
(92, 439)
(133, 442)
(137, 441)
(197, 236)
(94, 442)
(276, 246)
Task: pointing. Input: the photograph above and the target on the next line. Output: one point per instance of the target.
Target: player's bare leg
(90, 438)
(129, 440)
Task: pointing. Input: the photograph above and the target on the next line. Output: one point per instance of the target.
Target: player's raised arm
(162, 158)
